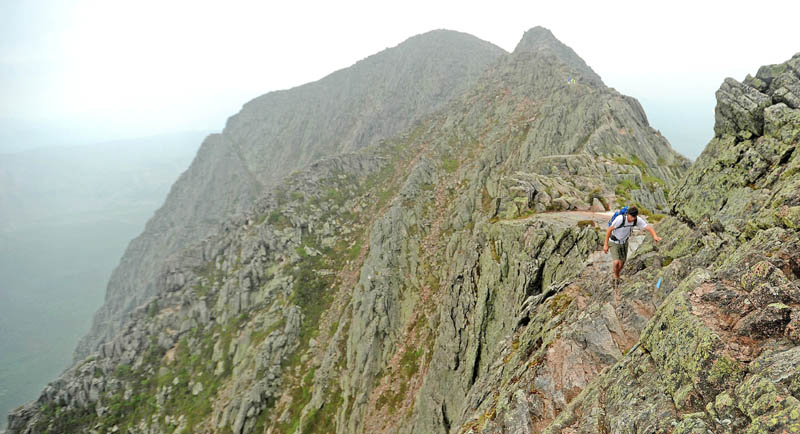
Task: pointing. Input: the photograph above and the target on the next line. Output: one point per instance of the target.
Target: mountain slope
(282, 131)
(371, 292)
(703, 335)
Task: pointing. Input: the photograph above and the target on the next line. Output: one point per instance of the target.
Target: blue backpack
(623, 211)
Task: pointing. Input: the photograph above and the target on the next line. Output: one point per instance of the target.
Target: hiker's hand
(656, 238)
(605, 248)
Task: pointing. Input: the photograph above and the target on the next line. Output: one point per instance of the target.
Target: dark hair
(633, 211)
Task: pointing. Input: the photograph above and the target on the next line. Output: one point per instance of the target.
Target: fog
(67, 215)
(77, 72)
(102, 70)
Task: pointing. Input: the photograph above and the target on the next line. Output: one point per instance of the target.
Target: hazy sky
(101, 70)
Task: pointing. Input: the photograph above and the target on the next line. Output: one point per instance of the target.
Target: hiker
(619, 230)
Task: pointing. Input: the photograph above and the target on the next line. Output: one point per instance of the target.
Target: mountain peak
(539, 40)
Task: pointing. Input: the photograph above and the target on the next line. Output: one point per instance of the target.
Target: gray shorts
(619, 251)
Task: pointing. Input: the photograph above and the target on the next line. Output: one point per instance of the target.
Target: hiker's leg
(617, 268)
(622, 256)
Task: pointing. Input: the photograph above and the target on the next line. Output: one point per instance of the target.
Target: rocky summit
(449, 278)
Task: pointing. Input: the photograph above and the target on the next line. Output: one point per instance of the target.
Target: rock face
(283, 131)
(719, 350)
(450, 280)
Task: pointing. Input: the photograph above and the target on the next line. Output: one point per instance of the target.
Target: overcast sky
(100, 70)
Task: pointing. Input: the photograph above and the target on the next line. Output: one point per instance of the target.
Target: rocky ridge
(283, 131)
(703, 335)
(387, 290)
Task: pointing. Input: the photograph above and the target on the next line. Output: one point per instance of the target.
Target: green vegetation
(652, 181)
(336, 196)
(123, 372)
(277, 219)
(152, 309)
(300, 394)
(210, 276)
(260, 335)
(191, 364)
(391, 399)
(409, 363)
(322, 420)
(633, 161)
(624, 188)
(353, 252)
(450, 165)
(596, 193)
(57, 420)
(560, 303)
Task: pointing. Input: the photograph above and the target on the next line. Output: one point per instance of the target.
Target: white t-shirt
(622, 233)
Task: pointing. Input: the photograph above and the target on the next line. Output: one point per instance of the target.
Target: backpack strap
(623, 220)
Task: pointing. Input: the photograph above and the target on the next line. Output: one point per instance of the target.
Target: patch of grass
(310, 293)
(336, 196)
(123, 372)
(57, 420)
(353, 252)
(260, 335)
(301, 395)
(644, 210)
(277, 219)
(323, 420)
(391, 399)
(450, 165)
(152, 309)
(624, 188)
(409, 363)
(560, 303)
(652, 181)
(597, 194)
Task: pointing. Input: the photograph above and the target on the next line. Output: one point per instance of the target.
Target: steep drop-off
(428, 284)
(283, 131)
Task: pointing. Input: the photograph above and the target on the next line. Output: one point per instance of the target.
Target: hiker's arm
(649, 228)
(608, 234)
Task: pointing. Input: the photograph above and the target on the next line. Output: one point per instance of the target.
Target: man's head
(632, 213)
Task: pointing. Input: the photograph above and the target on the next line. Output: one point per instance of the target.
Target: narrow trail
(596, 267)
(596, 270)
(569, 218)
(572, 218)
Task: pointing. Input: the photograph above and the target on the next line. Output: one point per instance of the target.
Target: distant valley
(66, 216)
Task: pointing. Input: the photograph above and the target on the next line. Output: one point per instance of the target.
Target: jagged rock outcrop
(386, 290)
(283, 131)
(702, 337)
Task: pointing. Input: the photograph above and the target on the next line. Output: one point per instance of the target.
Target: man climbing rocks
(619, 231)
